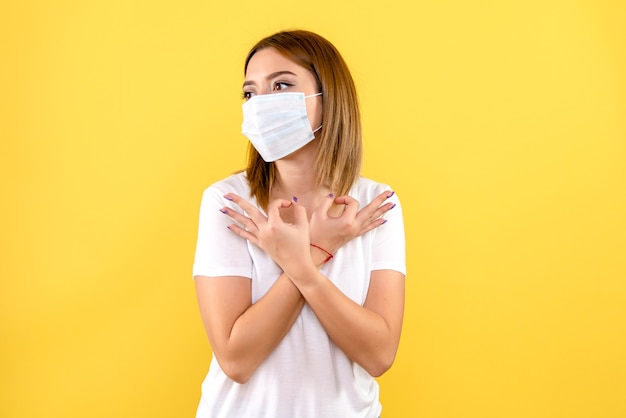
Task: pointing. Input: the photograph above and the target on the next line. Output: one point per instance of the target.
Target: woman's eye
(246, 95)
(281, 86)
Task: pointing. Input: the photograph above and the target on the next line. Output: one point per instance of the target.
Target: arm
(243, 334)
(369, 334)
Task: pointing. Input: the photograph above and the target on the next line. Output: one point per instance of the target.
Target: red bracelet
(330, 256)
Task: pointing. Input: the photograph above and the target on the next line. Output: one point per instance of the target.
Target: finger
(238, 217)
(352, 205)
(374, 209)
(254, 214)
(380, 199)
(273, 211)
(244, 234)
(380, 211)
(372, 225)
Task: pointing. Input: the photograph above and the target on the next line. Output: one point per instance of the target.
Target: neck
(296, 176)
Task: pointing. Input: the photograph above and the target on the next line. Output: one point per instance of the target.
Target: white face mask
(277, 124)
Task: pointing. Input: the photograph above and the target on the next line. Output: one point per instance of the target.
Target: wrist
(303, 274)
(320, 255)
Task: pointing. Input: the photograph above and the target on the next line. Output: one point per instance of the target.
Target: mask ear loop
(313, 95)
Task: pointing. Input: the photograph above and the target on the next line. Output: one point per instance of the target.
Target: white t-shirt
(306, 375)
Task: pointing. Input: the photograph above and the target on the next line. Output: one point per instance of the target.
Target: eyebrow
(269, 77)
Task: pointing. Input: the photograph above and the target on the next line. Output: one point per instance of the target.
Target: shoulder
(235, 183)
(367, 189)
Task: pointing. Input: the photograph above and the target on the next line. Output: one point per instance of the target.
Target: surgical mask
(277, 124)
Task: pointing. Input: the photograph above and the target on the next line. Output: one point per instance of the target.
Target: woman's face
(270, 72)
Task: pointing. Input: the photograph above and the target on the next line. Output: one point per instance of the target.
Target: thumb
(324, 206)
(273, 208)
(299, 214)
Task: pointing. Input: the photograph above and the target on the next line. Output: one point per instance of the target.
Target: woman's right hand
(338, 220)
(286, 243)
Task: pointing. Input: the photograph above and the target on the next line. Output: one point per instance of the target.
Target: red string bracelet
(330, 256)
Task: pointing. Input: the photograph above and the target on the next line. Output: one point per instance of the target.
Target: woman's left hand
(332, 232)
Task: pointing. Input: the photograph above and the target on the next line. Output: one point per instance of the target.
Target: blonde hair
(340, 149)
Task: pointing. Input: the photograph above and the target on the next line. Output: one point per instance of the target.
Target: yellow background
(501, 125)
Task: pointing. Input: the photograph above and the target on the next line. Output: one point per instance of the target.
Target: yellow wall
(502, 126)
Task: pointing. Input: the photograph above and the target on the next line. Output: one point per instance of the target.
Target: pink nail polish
(228, 198)
(390, 194)
(223, 210)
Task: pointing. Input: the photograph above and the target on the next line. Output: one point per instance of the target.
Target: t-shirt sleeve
(388, 248)
(219, 251)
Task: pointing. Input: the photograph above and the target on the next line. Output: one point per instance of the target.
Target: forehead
(268, 61)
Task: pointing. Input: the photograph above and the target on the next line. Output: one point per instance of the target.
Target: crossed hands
(289, 244)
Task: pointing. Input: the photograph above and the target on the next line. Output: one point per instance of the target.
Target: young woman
(300, 262)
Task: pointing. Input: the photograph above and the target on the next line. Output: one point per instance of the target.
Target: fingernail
(295, 199)
(383, 222)
(229, 228)
(228, 197)
(223, 210)
(331, 195)
(392, 206)
(390, 194)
